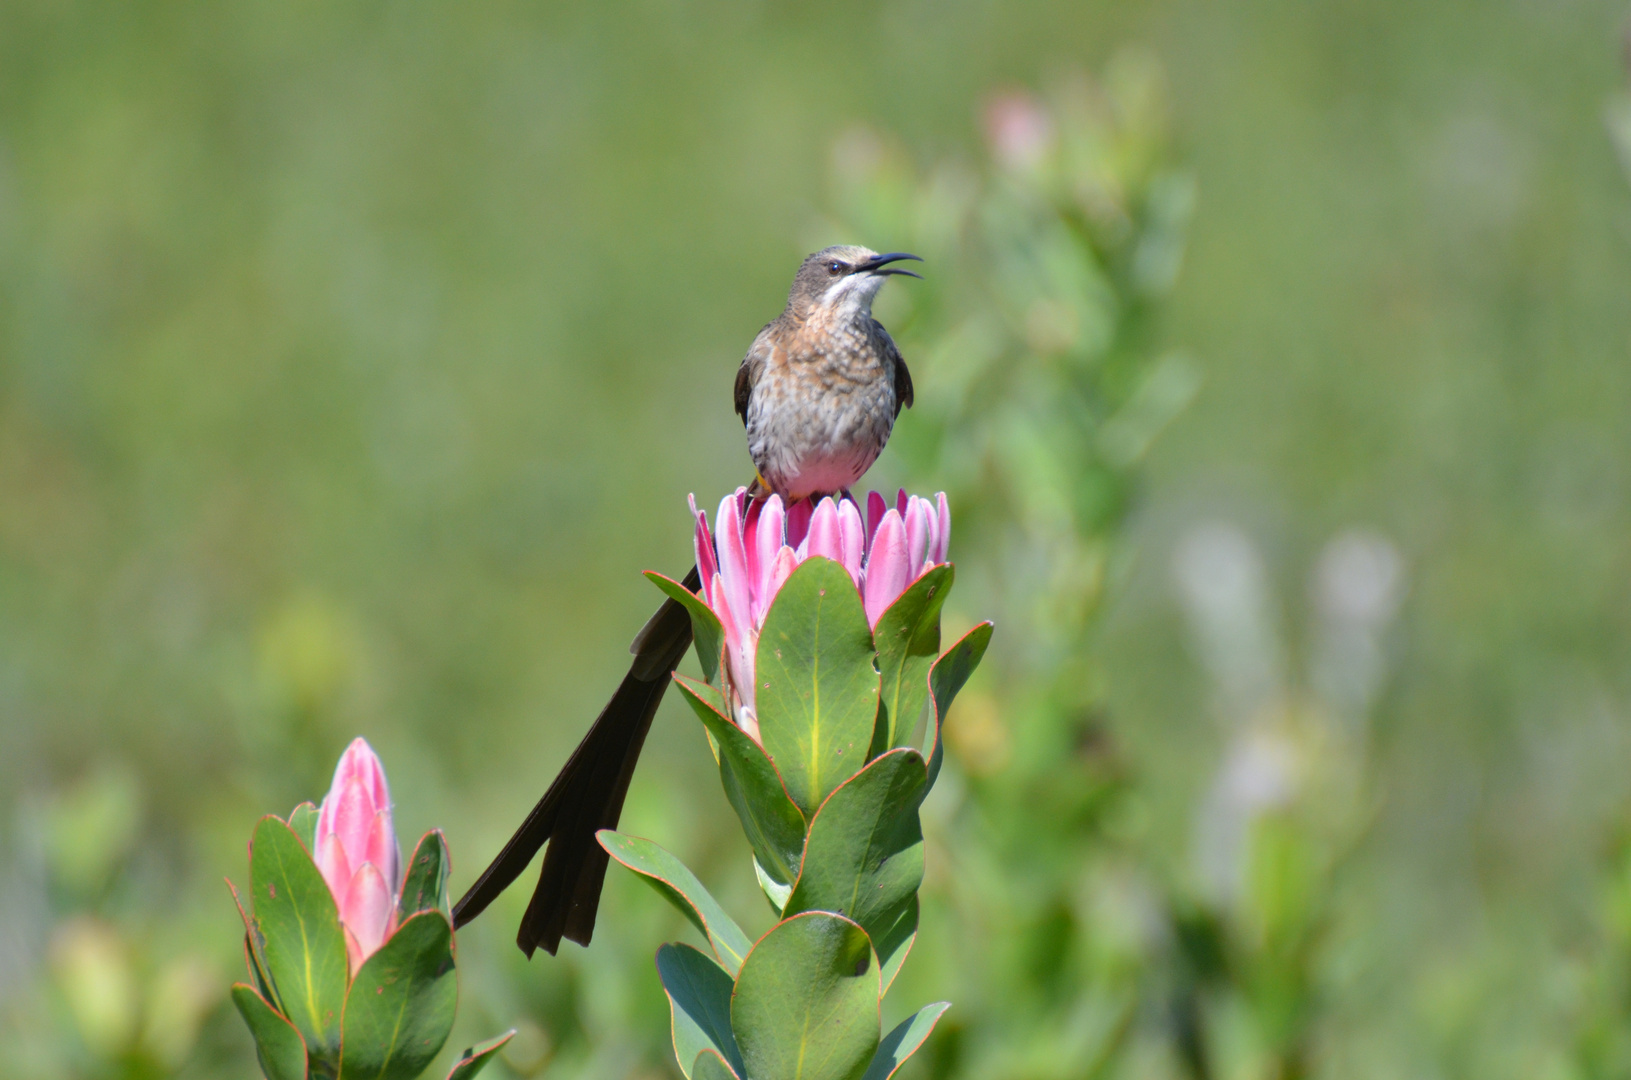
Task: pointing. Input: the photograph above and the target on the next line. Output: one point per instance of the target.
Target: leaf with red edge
(304, 945)
(946, 678)
(278, 1045)
(474, 1059)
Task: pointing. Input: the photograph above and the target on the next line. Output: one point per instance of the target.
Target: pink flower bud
(357, 851)
(754, 548)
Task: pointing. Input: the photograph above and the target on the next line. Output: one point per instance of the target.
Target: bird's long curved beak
(880, 266)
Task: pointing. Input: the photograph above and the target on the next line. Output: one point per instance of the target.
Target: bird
(818, 394)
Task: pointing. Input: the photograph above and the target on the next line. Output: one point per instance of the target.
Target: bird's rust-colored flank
(822, 384)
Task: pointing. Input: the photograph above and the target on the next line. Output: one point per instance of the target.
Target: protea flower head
(757, 543)
(357, 851)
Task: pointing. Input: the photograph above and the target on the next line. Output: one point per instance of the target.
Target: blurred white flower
(1225, 596)
(1357, 586)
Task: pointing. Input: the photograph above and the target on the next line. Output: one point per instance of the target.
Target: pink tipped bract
(357, 852)
(755, 545)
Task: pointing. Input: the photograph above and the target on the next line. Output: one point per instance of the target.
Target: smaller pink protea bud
(1018, 130)
(756, 544)
(357, 851)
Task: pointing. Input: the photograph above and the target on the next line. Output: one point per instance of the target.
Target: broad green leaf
(400, 1008)
(305, 947)
(705, 628)
(303, 820)
(699, 997)
(908, 640)
(474, 1059)
(903, 1041)
(710, 1066)
(817, 692)
(424, 885)
(673, 880)
(806, 1004)
(946, 678)
(281, 1050)
(774, 825)
(255, 952)
(864, 857)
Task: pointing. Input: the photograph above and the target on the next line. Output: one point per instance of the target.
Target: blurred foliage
(343, 349)
(1058, 247)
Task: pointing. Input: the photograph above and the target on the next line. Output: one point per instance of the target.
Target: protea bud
(357, 851)
(756, 544)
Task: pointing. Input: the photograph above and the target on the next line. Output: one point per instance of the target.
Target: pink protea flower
(756, 544)
(357, 851)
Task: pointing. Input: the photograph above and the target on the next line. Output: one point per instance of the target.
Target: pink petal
(901, 502)
(354, 955)
(748, 721)
(875, 507)
(750, 532)
(942, 537)
(382, 850)
(707, 566)
(917, 536)
(739, 648)
(851, 539)
(824, 539)
(353, 819)
(368, 908)
(786, 562)
(767, 543)
(360, 763)
(798, 522)
(733, 560)
(332, 863)
(886, 568)
(933, 520)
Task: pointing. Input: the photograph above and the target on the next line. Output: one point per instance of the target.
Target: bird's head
(842, 281)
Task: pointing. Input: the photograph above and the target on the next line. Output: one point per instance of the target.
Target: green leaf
(710, 1066)
(281, 1050)
(673, 880)
(864, 857)
(894, 941)
(776, 892)
(400, 1008)
(303, 820)
(474, 1059)
(946, 678)
(424, 886)
(699, 997)
(255, 952)
(903, 1041)
(908, 639)
(305, 947)
(706, 631)
(774, 825)
(817, 693)
(806, 1003)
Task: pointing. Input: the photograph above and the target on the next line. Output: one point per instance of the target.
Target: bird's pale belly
(821, 446)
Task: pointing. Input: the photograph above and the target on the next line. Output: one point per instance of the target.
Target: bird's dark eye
(835, 268)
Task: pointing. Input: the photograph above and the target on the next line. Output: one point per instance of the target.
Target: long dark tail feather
(586, 796)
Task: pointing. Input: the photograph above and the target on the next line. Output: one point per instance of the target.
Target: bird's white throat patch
(852, 294)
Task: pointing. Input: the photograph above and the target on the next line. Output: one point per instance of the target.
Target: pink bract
(357, 851)
(756, 544)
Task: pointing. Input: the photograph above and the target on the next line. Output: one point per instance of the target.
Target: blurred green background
(354, 358)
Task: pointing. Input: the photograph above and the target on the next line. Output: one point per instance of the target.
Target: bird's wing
(748, 374)
(903, 378)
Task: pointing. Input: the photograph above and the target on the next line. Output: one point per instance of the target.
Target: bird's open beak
(881, 267)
